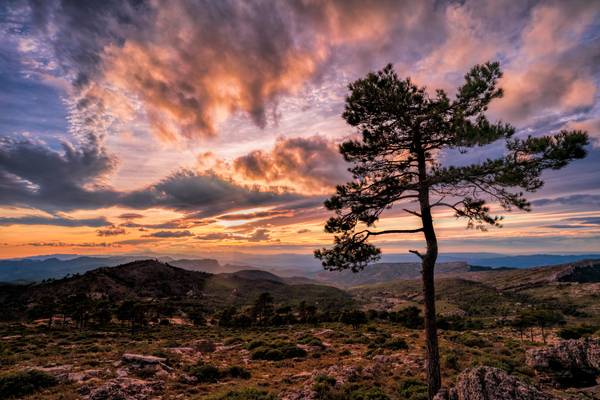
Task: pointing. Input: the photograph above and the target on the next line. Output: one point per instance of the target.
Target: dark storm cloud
(55, 221)
(33, 175)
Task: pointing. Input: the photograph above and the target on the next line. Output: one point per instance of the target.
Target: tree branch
(417, 253)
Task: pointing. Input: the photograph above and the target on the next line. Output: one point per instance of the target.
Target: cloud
(307, 165)
(130, 216)
(34, 175)
(576, 199)
(554, 69)
(590, 125)
(259, 235)
(585, 220)
(170, 234)
(218, 59)
(112, 231)
(54, 220)
(63, 244)
(253, 215)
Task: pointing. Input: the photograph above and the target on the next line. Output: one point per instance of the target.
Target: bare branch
(417, 253)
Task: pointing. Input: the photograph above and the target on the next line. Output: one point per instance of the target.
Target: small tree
(403, 130)
(263, 308)
(356, 318)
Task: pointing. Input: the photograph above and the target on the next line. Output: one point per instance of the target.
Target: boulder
(569, 363)
(487, 383)
(130, 358)
(204, 346)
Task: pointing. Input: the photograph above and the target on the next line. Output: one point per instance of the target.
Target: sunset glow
(209, 127)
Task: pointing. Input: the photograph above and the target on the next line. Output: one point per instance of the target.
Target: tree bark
(434, 380)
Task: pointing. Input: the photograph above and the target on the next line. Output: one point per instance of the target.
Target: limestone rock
(141, 359)
(487, 383)
(569, 362)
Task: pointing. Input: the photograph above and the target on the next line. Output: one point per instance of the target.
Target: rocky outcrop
(487, 383)
(570, 363)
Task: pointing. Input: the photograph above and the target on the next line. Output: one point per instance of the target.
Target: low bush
(23, 383)
(237, 372)
(576, 332)
(205, 373)
(412, 389)
(246, 394)
(396, 344)
(276, 351)
(208, 373)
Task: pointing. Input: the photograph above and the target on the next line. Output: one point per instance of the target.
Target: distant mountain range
(394, 266)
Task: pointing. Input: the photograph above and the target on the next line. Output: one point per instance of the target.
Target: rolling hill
(154, 280)
(386, 272)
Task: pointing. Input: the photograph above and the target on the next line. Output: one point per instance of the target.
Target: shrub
(329, 380)
(238, 372)
(23, 383)
(311, 341)
(576, 332)
(246, 394)
(205, 373)
(277, 351)
(471, 340)
(412, 389)
(255, 344)
(396, 344)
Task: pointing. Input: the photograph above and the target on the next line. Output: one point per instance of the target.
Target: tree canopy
(404, 130)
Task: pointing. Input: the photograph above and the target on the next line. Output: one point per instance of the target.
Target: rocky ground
(332, 361)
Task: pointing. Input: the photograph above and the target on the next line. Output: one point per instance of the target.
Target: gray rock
(570, 363)
(141, 359)
(487, 383)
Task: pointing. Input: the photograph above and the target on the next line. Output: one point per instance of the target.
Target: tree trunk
(543, 334)
(434, 380)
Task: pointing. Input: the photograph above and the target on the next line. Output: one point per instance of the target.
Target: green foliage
(325, 389)
(205, 373)
(246, 394)
(576, 332)
(402, 127)
(208, 373)
(310, 340)
(23, 383)
(354, 318)
(237, 372)
(471, 340)
(412, 389)
(277, 350)
(396, 344)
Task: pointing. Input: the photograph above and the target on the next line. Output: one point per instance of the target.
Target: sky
(199, 127)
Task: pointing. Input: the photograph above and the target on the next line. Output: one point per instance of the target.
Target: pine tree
(395, 162)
